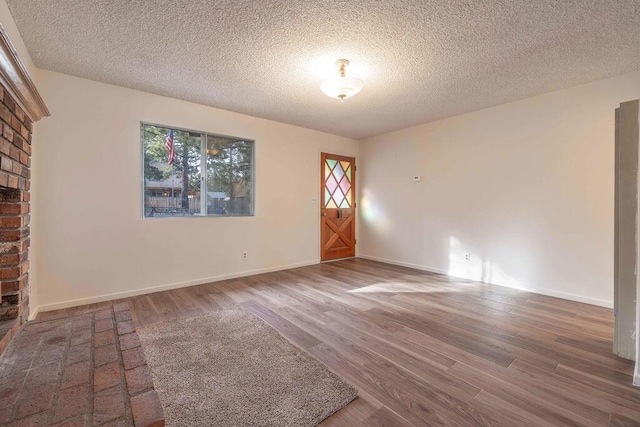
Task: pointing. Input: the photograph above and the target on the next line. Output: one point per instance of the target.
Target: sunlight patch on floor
(405, 287)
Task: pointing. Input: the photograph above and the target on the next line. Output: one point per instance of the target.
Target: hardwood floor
(427, 349)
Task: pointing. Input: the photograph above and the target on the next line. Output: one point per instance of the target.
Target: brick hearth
(84, 368)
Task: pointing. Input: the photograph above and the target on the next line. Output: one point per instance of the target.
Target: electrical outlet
(244, 255)
(467, 257)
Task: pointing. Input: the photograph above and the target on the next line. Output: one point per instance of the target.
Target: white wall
(96, 243)
(526, 188)
(6, 19)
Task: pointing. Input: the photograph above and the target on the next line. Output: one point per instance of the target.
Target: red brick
(10, 235)
(79, 353)
(147, 410)
(104, 338)
(104, 325)
(19, 113)
(11, 222)
(105, 354)
(14, 208)
(13, 182)
(72, 402)
(5, 146)
(5, 114)
(9, 273)
(10, 103)
(24, 267)
(76, 374)
(15, 123)
(108, 405)
(139, 379)
(14, 153)
(106, 377)
(34, 399)
(125, 327)
(9, 391)
(7, 132)
(80, 337)
(80, 323)
(24, 131)
(102, 314)
(17, 168)
(9, 259)
(121, 316)
(6, 164)
(28, 124)
(129, 341)
(133, 358)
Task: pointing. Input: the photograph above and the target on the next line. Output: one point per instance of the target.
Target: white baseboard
(166, 287)
(33, 313)
(548, 292)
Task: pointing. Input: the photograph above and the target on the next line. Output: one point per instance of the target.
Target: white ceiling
(421, 60)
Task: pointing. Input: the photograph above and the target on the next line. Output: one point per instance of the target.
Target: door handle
(324, 214)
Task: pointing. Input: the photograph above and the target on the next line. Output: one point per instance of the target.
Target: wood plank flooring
(427, 349)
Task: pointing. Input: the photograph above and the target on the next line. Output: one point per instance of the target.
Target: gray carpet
(229, 368)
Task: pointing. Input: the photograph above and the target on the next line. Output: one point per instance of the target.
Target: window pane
(186, 172)
(171, 172)
(229, 176)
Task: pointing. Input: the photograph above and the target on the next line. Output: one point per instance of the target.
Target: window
(189, 173)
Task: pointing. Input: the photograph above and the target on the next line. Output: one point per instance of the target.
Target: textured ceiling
(421, 60)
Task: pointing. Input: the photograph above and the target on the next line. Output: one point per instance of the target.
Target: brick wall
(15, 161)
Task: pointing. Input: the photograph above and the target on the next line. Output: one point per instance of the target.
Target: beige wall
(89, 179)
(526, 188)
(16, 39)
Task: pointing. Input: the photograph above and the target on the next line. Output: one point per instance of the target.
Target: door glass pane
(348, 173)
(338, 196)
(331, 163)
(345, 165)
(338, 172)
(331, 184)
(345, 185)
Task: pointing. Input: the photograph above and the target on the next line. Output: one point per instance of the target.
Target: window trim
(203, 147)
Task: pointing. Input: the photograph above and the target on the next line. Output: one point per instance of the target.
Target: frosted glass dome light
(341, 87)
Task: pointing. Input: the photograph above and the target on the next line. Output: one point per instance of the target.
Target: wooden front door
(337, 207)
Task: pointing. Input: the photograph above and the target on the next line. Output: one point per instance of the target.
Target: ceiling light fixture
(341, 87)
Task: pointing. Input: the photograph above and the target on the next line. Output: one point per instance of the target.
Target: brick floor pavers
(80, 369)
